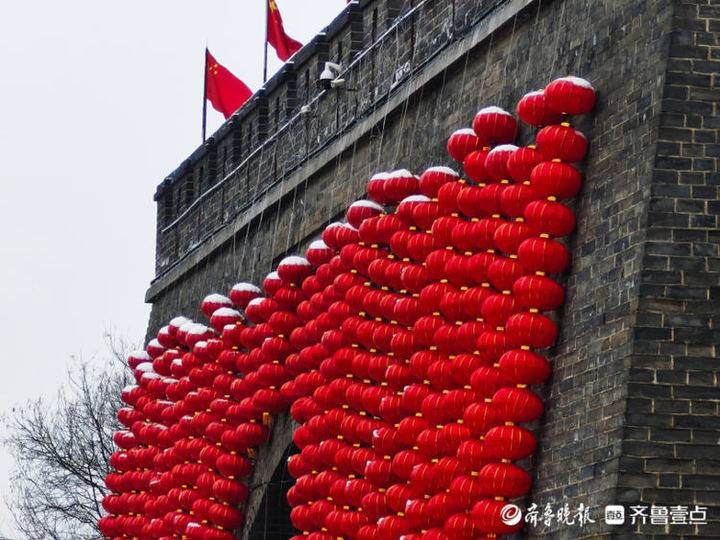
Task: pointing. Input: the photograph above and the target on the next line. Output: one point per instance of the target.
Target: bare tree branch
(61, 451)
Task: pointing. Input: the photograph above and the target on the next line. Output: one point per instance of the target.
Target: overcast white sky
(98, 102)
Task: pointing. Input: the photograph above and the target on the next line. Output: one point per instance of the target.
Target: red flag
(284, 45)
(224, 90)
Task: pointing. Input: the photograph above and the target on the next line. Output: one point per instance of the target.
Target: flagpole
(267, 18)
(204, 113)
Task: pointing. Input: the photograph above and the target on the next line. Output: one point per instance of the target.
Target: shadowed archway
(272, 521)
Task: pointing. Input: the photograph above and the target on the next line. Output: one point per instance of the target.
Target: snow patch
(503, 148)
(367, 204)
(294, 260)
(178, 321)
(493, 110)
(318, 244)
(185, 327)
(197, 329)
(443, 170)
(465, 131)
(216, 298)
(243, 287)
(401, 173)
(416, 198)
(226, 312)
(145, 367)
(578, 81)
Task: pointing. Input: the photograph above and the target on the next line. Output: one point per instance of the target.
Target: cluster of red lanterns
(405, 345)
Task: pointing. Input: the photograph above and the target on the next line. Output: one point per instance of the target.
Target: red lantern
(563, 142)
(495, 125)
(461, 527)
(213, 302)
(533, 110)
(441, 506)
(474, 166)
(403, 463)
(434, 178)
(461, 143)
(543, 255)
(476, 235)
(376, 188)
(503, 272)
(154, 348)
(550, 217)
(509, 442)
(294, 269)
(466, 489)
(405, 210)
(230, 491)
(570, 95)
(486, 380)
(447, 196)
(399, 185)
(531, 329)
(336, 235)
(497, 308)
(514, 199)
(491, 345)
(164, 337)
(260, 309)
(538, 292)
(496, 162)
(392, 527)
(359, 211)
(520, 366)
(223, 317)
(509, 236)
(471, 300)
(492, 516)
(472, 454)
(442, 229)
(521, 162)
(138, 357)
(517, 405)
(242, 293)
(479, 417)
(318, 253)
(555, 179)
(490, 198)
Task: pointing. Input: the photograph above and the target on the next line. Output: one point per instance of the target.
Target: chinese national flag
(224, 90)
(284, 45)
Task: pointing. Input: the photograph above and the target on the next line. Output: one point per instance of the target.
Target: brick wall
(670, 453)
(632, 405)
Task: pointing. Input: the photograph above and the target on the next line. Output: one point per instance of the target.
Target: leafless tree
(61, 449)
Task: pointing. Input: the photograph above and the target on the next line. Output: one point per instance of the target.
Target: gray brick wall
(632, 405)
(670, 453)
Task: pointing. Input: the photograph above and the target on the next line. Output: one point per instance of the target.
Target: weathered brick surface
(670, 452)
(632, 407)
